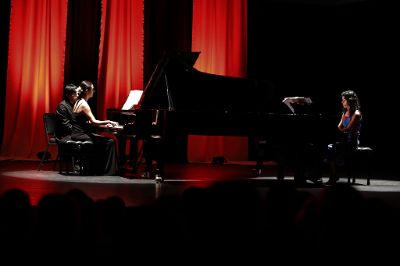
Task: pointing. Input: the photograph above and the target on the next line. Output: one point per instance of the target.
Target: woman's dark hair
(84, 87)
(352, 100)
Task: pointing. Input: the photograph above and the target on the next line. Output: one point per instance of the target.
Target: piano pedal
(146, 175)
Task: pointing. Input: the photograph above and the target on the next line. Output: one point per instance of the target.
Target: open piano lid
(157, 89)
(176, 85)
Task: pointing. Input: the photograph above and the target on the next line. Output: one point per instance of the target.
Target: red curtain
(121, 53)
(35, 73)
(220, 33)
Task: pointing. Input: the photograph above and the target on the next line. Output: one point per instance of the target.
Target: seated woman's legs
(106, 159)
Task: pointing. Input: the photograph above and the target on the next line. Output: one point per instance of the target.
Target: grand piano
(180, 100)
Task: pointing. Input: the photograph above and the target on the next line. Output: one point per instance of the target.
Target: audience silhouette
(225, 222)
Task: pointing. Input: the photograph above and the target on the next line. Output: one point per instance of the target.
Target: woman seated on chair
(105, 159)
(349, 127)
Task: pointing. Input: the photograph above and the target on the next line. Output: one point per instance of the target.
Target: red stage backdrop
(35, 73)
(220, 33)
(121, 53)
(36, 64)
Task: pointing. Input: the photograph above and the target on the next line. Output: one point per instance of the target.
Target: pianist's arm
(95, 122)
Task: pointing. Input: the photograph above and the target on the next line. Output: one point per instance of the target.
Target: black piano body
(179, 101)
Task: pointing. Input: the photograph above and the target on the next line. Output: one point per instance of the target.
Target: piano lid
(175, 85)
(157, 89)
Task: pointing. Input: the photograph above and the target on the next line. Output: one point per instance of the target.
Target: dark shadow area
(312, 49)
(226, 221)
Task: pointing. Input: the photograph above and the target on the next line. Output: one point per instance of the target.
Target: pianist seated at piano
(64, 113)
(105, 160)
(349, 127)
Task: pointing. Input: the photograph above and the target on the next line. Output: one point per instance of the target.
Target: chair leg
(85, 165)
(352, 165)
(56, 160)
(65, 162)
(349, 172)
(83, 168)
(368, 169)
(362, 163)
(73, 159)
(43, 158)
(61, 163)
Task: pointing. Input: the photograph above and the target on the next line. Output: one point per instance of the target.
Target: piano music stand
(132, 100)
(297, 104)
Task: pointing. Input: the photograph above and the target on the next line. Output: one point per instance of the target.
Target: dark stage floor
(136, 191)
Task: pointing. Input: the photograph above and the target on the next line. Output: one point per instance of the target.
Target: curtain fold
(121, 53)
(220, 33)
(35, 73)
(5, 7)
(82, 41)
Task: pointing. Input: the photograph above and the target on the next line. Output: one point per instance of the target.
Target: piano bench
(72, 151)
(360, 163)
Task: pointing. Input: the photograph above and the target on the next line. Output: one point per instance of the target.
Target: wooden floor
(137, 191)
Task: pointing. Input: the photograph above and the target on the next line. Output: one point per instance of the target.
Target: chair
(69, 151)
(49, 120)
(360, 161)
(75, 151)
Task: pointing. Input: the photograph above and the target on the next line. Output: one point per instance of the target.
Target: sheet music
(133, 99)
(289, 101)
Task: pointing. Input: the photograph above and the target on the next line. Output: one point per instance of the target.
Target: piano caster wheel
(158, 178)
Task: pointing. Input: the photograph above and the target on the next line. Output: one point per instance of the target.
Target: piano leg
(153, 151)
(260, 155)
(121, 150)
(306, 161)
(291, 155)
(133, 154)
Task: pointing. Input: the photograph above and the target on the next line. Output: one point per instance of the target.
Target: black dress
(105, 160)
